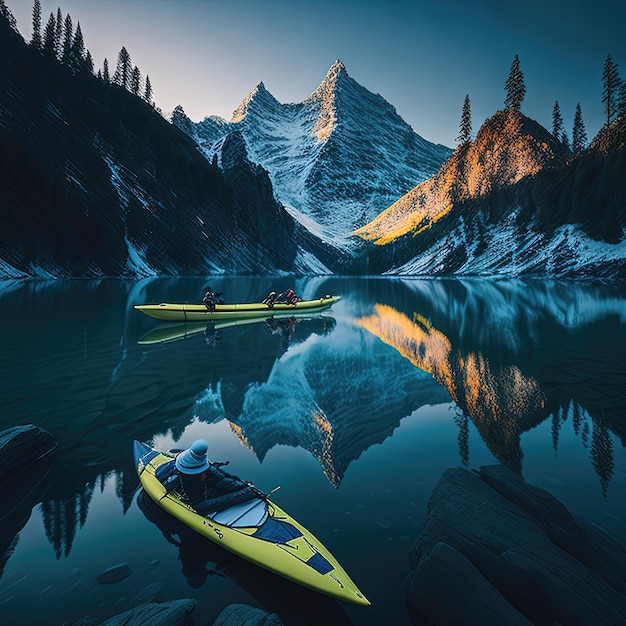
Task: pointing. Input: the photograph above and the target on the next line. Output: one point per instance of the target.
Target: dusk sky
(422, 56)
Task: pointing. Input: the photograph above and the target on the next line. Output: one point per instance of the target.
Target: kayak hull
(167, 312)
(279, 543)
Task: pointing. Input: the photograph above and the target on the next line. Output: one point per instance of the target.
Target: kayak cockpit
(243, 515)
(250, 513)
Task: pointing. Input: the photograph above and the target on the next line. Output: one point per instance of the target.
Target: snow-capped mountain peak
(334, 76)
(258, 98)
(338, 158)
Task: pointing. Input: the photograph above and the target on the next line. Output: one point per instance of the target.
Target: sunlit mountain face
(512, 202)
(507, 148)
(335, 160)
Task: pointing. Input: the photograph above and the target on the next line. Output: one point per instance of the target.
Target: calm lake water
(355, 413)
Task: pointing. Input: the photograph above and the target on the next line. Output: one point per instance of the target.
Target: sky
(422, 56)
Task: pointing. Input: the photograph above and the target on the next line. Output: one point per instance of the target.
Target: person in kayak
(205, 485)
(270, 299)
(211, 298)
(287, 297)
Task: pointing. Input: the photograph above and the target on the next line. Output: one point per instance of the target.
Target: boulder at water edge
(174, 613)
(21, 446)
(494, 550)
(244, 615)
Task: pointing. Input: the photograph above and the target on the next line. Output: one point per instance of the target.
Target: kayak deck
(259, 531)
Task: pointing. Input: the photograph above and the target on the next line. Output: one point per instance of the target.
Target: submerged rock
(494, 549)
(114, 574)
(146, 594)
(175, 613)
(244, 615)
(21, 446)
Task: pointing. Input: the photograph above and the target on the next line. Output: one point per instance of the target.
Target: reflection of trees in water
(602, 454)
(126, 484)
(501, 401)
(61, 518)
(462, 421)
(558, 417)
(587, 426)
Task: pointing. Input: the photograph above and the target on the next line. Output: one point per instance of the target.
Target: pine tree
(123, 70)
(465, 127)
(557, 121)
(58, 34)
(77, 52)
(105, 71)
(49, 36)
(135, 81)
(579, 134)
(5, 12)
(68, 33)
(514, 86)
(621, 100)
(611, 82)
(88, 62)
(35, 40)
(147, 96)
(565, 139)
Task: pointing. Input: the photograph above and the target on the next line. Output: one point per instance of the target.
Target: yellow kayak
(167, 312)
(258, 531)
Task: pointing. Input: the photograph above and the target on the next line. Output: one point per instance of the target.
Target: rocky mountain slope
(335, 160)
(512, 202)
(94, 182)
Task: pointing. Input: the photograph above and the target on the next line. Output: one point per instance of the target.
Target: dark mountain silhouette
(95, 182)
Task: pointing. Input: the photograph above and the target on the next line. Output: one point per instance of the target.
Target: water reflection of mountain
(334, 397)
(21, 494)
(512, 356)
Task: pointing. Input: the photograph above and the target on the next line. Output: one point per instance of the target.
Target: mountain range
(335, 160)
(95, 182)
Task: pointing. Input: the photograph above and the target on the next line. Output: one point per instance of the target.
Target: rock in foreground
(21, 446)
(494, 549)
(244, 615)
(174, 613)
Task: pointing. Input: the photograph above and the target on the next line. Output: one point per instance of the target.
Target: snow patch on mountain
(504, 251)
(307, 263)
(137, 264)
(8, 272)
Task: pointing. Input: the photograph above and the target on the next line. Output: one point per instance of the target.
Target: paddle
(262, 497)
